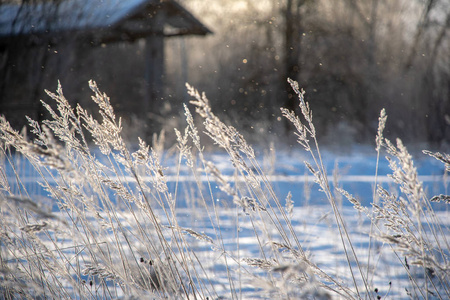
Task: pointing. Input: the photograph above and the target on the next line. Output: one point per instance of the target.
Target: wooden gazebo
(97, 22)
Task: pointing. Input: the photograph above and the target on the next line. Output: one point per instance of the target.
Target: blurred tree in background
(352, 57)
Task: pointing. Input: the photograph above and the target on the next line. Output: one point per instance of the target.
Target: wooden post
(154, 71)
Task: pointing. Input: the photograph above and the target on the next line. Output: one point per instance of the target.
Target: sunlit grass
(111, 224)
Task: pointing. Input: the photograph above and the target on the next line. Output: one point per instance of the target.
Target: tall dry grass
(110, 223)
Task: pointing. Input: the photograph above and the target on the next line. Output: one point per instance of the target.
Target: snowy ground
(319, 236)
(312, 217)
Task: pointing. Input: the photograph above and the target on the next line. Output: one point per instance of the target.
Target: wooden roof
(101, 21)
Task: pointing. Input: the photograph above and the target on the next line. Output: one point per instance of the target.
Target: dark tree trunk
(292, 34)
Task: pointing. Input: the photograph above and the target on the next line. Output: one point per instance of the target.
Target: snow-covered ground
(319, 236)
(312, 218)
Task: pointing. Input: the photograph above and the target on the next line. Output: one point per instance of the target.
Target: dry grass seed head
(293, 252)
(289, 204)
(442, 157)
(441, 198)
(223, 183)
(381, 124)
(356, 204)
(405, 174)
(193, 233)
(225, 136)
(261, 263)
(193, 132)
(183, 147)
(302, 131)
(250, 205)
(304, 107)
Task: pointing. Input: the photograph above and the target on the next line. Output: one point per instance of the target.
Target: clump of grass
(116, 225)
(411, 226)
